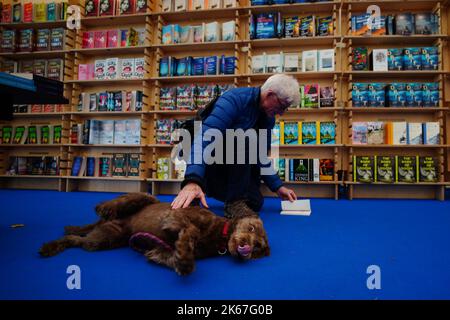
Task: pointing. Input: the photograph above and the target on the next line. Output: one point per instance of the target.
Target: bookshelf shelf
(131, 179)
(34, 25)
(34, 55)
(395, 39)
(190, 15)
(174, 112)
(166, 180)
(104, 145)
(419, 74)
(394, 5)
(30, 176)
(314, 182)
(158, 145)
(106, 82)
(311, 110)
(114, 20)
(108, 113)
(107, 51)
(40, 114)
(293, 42)
(182, 47)
(193, 79)
(395, 110)
(30, 145)
(300, 75)
(294, 8)
(406, 146)
(399, 183)
(300, 146)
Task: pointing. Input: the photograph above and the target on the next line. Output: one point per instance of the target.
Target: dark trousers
(231, 182)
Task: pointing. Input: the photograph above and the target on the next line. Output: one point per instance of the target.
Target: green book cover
(32, 135)
(45, 135)
(133, 165)
(119, 164)
(19, 134)
(57, 134)
(7, 134)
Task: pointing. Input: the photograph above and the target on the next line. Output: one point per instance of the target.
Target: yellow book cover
(281, 133)
(40, 12)
(300, 133)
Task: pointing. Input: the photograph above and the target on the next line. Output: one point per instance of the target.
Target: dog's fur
(193, 232)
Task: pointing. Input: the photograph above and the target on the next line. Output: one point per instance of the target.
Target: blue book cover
(395, 59)
(327, 132)
(76, 166)
(414, 95)
(360, 94)
(397, 95)
(309, 133)
(377, 95)
(412, 59)
(430, 94)
(228, 64)
(182, 67)
(164, 67)
(290, 133)
(90, 167)
(429, 58)
(211, 65)
(198, 66)
(265, 26)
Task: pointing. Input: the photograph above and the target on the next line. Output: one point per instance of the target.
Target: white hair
(285, 87)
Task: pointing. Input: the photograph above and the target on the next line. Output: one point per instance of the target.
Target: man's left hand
(286, 194)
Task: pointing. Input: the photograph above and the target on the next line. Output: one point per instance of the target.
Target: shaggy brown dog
(186, 234)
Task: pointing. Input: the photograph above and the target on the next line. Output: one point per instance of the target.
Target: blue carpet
(324, 256)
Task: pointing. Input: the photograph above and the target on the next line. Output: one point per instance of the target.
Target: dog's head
(248, 239)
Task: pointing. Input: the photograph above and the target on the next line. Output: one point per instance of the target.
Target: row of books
(307, 170)
(110, 101)
(395, 133)
(27, 40)
(303, 132)
(112, 69)
(273, 25)
(44, 165)
(116, 165)
(113, 38)
(190, 97)
(205, 32)
(165, 131)
(31, 134)
(37, 108)
(167, 169)
(316, 96)
(52, 68)
(16, 11)
(392, 169)
(306, 61)
(414, 94)
(196, 66)
(275, 2)
(185, 5)
(396, 59)
(113, 132)
(399, 24)
(94, 8)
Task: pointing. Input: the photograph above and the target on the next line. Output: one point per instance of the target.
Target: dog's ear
(267, 251)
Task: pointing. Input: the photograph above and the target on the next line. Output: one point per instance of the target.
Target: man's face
(272, 104)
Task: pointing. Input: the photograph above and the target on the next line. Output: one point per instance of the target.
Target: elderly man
(238, 185)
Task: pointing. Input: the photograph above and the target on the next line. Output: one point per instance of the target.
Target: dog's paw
(185, 267)
(51, 249)
(73, 230)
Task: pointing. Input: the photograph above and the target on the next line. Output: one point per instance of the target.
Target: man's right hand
(187, 194)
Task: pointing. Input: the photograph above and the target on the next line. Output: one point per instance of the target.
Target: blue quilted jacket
(236, 109)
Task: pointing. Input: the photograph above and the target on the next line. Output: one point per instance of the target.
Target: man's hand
(286, 194)
(187, 194)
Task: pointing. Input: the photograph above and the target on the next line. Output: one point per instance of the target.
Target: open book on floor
(298, 207)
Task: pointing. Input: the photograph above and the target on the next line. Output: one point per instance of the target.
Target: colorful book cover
(309, 132)
(359, 132)
(299, 170)
(326, 170)
(363, 169)
(126, 7)
(91, 8)
(45, 134)
(291, 133)
(57, 131)
(6, 134)
(32, 137)
(19, 135)
(43, 40)
(168, 98)
(327, 132)
(133, 164)
(385, 169)
(119, 165)
(428, 169)
(407, 170)
(375, 132)
(107, 7)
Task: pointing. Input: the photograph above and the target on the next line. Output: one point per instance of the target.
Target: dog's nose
(244, 250)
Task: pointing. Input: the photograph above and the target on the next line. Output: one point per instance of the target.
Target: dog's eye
(251, 229)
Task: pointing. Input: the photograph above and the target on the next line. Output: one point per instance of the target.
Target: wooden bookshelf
(343, 113)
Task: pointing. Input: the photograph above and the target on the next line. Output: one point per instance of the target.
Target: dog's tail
(124, 206)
